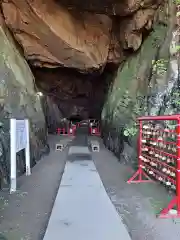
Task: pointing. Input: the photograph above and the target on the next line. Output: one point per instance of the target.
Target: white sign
(19, 139)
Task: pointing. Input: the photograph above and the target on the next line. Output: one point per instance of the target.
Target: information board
(19, 139)
(21, 136)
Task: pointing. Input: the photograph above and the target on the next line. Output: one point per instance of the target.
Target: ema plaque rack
(159, 157)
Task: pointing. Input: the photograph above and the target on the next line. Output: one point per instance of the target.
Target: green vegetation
(160, 66)
(176, 1)
(143, 78)
(176, 49)
(138, 108)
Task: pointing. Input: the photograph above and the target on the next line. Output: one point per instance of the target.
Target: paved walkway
(82, 209)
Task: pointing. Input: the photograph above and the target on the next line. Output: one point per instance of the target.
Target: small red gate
(95, 131)
(159, 157)
(94, 127)
(66, 132)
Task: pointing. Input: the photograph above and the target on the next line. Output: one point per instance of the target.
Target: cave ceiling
(110, 7)
(84, 35)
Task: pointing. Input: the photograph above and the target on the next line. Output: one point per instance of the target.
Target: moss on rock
(18, 100)
(137, 89)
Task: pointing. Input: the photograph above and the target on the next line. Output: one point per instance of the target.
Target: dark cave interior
(78, 96)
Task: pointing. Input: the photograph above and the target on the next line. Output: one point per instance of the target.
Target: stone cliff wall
(138, 90)
(54, 35)
(18, 99)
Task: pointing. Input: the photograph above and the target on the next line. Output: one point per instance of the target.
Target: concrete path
(82, 209)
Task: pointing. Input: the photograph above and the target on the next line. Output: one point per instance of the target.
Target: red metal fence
(159, 157)
(95, 131)
(66, 132)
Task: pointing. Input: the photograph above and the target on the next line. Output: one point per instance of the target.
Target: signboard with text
(21, 136)
(19, 140)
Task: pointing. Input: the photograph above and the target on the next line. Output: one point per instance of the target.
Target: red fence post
(91, 130)
(95, 131)
(178, 169)
(74, 130)
(140, 150)
(58, 131)
(71, 131)
(98, 131)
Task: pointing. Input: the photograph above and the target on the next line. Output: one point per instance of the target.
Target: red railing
(95, 131)
(93, 125)
(159, 158)
(66, 132)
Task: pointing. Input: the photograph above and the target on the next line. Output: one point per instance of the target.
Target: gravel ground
(24, 215)
(137, 204)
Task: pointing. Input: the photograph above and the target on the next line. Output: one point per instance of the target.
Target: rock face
(68, 43)
(141, 89)
(53, 115)
(110, 7)
(74, 93)
(53, 35)
(132, 28)
(18, 99)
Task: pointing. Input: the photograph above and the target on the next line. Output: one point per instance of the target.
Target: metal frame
(64, 132)
(95, 131)
(140, 173)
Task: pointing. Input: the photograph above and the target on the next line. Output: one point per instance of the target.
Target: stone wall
(138, 90)
(18, 99)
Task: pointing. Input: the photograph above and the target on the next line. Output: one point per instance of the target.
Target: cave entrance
(72, 52)
(75, 119)
(78, 96)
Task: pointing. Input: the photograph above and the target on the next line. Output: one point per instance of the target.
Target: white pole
(13, 155)
(28, 166)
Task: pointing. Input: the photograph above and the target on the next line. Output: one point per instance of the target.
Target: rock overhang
(76, 34)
